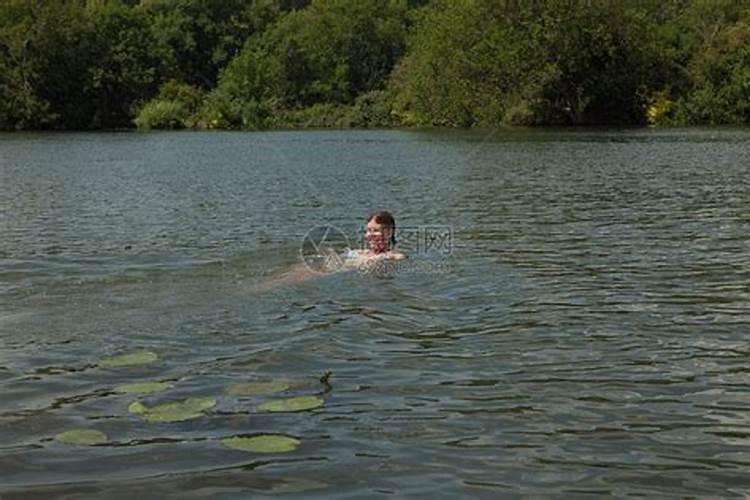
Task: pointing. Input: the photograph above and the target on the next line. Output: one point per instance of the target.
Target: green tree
(260, 63)
(194, 39)
(488, 62)
(604, 66)
(720, 73)
(74, 64)
(330, 52)
(38, 47)
(122, 69)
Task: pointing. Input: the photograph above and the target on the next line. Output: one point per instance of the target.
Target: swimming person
(380, 234)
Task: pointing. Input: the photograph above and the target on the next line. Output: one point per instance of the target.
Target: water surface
(583, 333)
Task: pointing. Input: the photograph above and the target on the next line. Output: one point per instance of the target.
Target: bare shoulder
(354, 257)
(396, 256)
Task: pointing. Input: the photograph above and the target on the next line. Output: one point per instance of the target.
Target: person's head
(380, 231)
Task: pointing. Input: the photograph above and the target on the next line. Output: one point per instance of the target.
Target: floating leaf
(173, 412)
(134, 358)
(177, 412)
(300, 403)
(257, 388)
(137, 408)
(82, 436)
(144, 388)
(266, 443)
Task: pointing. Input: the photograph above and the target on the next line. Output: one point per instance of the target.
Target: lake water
(572, 321)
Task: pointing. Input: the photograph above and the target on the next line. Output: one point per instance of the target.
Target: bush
(373, 109)
(222, 110)
(325, 115)
(162, 114)
(175, 107)
(660, 110)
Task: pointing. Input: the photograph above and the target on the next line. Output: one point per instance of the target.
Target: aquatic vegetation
(137, 407)
(133, 358)
(84, 437)
(265, 443)
(143, 388)
(192, 408)
(177, 411)
(300, 403)
(257, 388)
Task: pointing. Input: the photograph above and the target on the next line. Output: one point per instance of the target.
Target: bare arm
(304, 272)
(297, 274)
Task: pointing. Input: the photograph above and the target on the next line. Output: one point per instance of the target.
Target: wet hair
(385, 218)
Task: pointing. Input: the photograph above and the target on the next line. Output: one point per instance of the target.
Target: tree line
(256, 64)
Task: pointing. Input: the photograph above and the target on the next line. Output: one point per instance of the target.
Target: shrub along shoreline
(285, 64)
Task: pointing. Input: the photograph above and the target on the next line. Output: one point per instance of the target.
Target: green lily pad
(173, 412)
(257, 388)
(144, 388)
(266, 443)
(84, 437)
(137, 407)
(300, 403)
(134, 358)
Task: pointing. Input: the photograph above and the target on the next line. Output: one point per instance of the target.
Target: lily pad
(144, 388)
(173, 412)
(84, 437)
(134, 358)
(257, 388)
(300, 403)
(137, 407)
(265, 443)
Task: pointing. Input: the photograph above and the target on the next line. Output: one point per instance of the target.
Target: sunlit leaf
(300, 403)
(134, 358)
(257, 388)
(266, 443)
(144, 388)
(82, 437)
(174, 412)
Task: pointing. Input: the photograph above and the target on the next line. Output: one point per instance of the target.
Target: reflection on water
(585, 335)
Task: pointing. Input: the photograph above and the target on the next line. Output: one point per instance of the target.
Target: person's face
(378, 236)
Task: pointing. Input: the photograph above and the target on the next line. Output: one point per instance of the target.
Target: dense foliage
(249, 64)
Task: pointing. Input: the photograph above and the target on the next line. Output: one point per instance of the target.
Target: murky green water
(582, 330)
